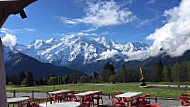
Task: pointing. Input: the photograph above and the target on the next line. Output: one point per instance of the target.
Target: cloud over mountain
(174, 37)
(9, 40)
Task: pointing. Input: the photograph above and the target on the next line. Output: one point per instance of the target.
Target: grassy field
(105, 88)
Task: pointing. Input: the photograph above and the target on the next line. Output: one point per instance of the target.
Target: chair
(50, 98)
(85, 104)
(151, 105)
(118, 101)
(27, 103)
(147, 98)
(15, 103)
(185, 95)
(98, 98)
(140, 101)
(34, 103)
(70, 96)
(184, 101)
(128, 101)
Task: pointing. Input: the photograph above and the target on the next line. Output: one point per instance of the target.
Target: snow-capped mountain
(78, 49)
(16, 62)
(8, 53)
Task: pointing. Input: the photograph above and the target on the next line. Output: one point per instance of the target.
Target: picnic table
(87, 93)
(17, 100)
(128, 95)
(65, 104)
(60, 92)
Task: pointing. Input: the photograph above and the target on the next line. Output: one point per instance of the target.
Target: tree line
(177, 73)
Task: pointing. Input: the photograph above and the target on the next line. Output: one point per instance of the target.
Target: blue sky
(120, 20)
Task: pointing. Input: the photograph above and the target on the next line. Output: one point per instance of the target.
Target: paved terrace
(107, 102)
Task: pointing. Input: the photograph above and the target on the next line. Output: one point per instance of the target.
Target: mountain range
(16, 62)
(84, 54)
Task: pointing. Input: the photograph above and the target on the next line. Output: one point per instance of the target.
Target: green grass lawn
(106, 89)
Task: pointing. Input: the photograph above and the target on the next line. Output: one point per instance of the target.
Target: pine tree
(65, 79)
(96, 77)
(14, 80)
(7, 80)
(123, 74)
(176, 72)
(30, 79)
(21, 76)
(188, 68)
(75, 77)
(167, 76)
(107, 71)
(158, 71)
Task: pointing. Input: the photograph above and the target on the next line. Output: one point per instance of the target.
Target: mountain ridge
(17, 62)
(61, 52)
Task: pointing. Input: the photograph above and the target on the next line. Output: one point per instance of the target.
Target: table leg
(98, 100)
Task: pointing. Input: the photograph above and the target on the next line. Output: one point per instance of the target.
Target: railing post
(14, 93)
(32, 94)
(156, 100)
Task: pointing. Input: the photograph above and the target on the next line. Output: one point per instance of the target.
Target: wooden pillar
(3, 96)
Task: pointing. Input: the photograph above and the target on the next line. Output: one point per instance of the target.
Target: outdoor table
(128, 95)
(65, 104)
(84, 94)
(56, 93)
(87, 93)
(17, 100)
(60, 92)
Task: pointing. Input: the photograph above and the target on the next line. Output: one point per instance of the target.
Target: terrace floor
(107, 102)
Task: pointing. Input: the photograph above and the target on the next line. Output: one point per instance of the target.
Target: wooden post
(32, 94)
(3, 93)
(14, 93)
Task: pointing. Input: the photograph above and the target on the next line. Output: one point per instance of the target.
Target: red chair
(147, 98)
(19, 104)
(89, 99)
(151, 105)
(85, 104)
(127, 101)
(120, 93)
(140, 101)
(74, 98)
(27, 103)
(117, 102)
(85, 101)
(98, 98)
(184, 101)
(34, 103)
(50, 98)
(185, 95)
(70, 96)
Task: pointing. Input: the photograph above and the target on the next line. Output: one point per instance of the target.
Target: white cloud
(103, 14)
(108, 54)
(174, 37)
(9, 40)
(151, 1)
(13, 31)
(86, 34)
